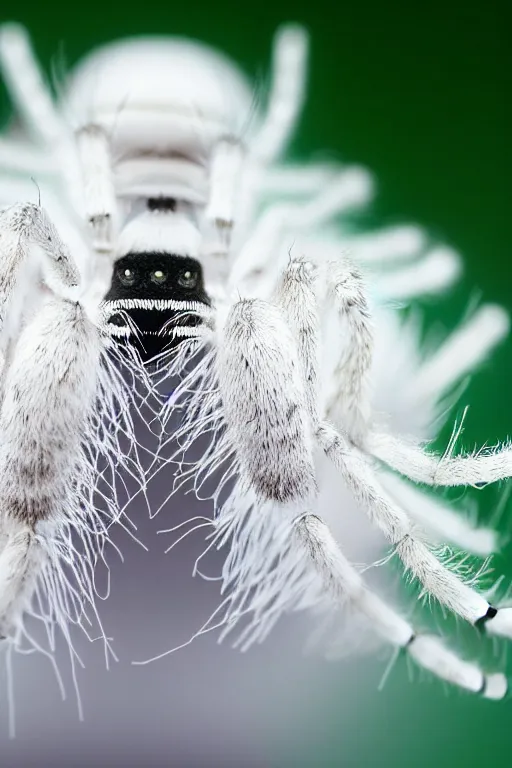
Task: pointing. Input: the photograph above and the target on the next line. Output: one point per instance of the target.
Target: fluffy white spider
(158, 147)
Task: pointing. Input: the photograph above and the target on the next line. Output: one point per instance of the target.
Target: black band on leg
(483, 687)
(491, 613)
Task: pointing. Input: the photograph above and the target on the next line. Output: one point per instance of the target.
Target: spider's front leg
(266, 414)
(52, 353)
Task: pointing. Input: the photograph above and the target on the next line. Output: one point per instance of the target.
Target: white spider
(158, 146)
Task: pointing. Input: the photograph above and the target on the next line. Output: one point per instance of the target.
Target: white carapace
(164, 171)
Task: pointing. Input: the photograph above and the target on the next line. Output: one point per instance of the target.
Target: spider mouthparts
(151, 295)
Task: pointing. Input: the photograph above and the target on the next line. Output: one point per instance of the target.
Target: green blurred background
(419, 93)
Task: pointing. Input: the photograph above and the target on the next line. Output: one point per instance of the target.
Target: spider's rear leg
(27, 88)
(488, 465)
(34, 104)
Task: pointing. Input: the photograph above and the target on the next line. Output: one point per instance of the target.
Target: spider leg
(48, 389)
(258, 256)
(22, 158)
(295, 180)
(436, 579)
(462, 352)
(385, 246)
(410, 459)
(34, 102)
(350, 405)
(29, 92)
(344, 584)
(296, 296)
(441, 523)
(98, 186)
(286, 94)
(270, 139)
(225, 168)
(266, 414)
(42, 416)
(437, 271)
(23, 226)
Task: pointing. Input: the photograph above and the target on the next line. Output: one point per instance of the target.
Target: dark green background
(420, 93)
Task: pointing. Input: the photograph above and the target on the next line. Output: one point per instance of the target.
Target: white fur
(172, 118)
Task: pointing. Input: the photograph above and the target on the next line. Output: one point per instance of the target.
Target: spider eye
(188, 278)
(159, 276)
(126, 275)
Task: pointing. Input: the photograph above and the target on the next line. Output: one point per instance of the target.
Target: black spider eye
(188, 278)
(126, 275)
(159, 276)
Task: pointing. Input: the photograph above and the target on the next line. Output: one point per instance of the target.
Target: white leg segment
(48, 391)
(286, 94)
(30, 94)
(434, 273)
(462, 352)
(295, 180)
(345, 584)
(388, 245)
(225, 167)
(98, 186)
(23, 226)
(442, 523)
(296, 297)
(351, 407)
(480, 468)
(264, 402)
(351, 188)
(417, 558)
(22, 158)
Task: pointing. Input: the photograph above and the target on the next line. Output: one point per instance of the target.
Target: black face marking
(160, 279)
